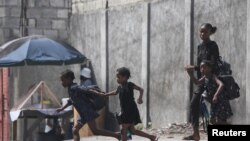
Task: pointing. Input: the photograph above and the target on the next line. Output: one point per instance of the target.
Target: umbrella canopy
(38, 50)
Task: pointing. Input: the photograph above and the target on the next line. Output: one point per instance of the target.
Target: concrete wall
(155, 39)
(9, 19)
(168, 80)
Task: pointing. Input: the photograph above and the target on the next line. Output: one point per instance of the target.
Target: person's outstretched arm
(64, 107)
(112, 93)
(190, 70)
(92, 91)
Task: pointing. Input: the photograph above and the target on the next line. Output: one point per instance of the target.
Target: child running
(220, 106)
(129, 112)
(78, 98)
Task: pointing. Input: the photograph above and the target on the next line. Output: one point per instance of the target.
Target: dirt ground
(176, 130)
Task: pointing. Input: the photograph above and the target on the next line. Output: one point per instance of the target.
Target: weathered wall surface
(155, 41)
(167, 59)
(88, 26)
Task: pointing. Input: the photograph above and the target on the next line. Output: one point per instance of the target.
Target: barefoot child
(78, 98)
(129, 112)
(220, 106)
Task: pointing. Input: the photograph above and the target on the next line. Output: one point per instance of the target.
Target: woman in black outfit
(207, 50)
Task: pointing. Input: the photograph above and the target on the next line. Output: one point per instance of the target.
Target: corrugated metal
(4, 108)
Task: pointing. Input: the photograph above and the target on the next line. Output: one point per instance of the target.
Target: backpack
(232, 89)
(97, 101)
(223, 67)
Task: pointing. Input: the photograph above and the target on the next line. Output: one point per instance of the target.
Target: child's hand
(59, 110)
(215, 99)
(189, 68)
(139, 101)
(102, 93)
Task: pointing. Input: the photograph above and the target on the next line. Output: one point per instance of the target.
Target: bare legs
(136, 132)
(94, 129)
(76, 129)
(102, 132)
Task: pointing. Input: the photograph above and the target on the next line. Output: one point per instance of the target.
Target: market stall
(40, 103)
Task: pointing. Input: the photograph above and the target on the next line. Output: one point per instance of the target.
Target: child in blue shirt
(78, 98)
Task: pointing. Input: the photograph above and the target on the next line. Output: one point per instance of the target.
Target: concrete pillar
(188, 48)
(145, 63)
(104, 50)
(248, 66)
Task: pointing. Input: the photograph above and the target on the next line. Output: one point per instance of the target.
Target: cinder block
(1, 22)
(49, 13)
(31, 3)
(16, 32)
(43, 23)
(34, 13)
(34, 31)
(15, 12)
(63, 34)
(42, 3)
(12, 2)
(32, 22)
(68, 3)
(2, 12)
(81, 7)
(59, 24)
(12, 22)
(7, 32)
(63, 13)
(57, 3)
(51, 33)
(1, 36)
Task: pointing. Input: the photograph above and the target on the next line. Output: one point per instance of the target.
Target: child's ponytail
(213, 29)
(209, 26)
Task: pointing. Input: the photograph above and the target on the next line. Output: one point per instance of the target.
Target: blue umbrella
(38, 50)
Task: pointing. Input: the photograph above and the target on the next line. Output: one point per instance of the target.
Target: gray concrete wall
(155, 41)
(168, 80)
(88, 26)
(125, 44)
(248, 65)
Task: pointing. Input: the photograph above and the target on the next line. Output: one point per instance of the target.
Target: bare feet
(192, 137)
(155, 138)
